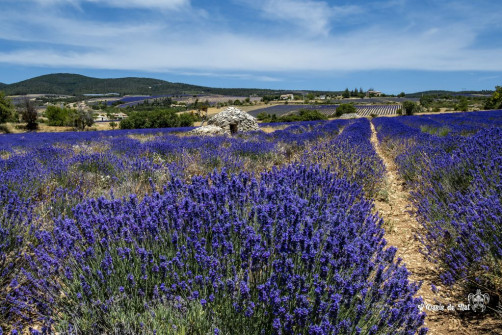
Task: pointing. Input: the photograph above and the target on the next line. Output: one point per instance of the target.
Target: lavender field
(159, 232)
(328, 110)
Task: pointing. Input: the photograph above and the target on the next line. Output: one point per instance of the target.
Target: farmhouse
(102, 117)
(120, 116)
(287, 97)
(372, 93)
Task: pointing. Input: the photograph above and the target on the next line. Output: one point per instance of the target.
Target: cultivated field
(328, 110)
(321, 227)
(131, 101)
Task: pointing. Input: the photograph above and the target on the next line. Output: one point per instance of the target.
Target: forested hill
(450, 93)
(74, 84)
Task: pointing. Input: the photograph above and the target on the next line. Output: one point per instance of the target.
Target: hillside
(453, 93)
(74, 84)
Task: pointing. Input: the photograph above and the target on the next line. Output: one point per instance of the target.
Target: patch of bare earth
(401, 228)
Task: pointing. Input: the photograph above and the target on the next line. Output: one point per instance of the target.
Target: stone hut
(229, 121)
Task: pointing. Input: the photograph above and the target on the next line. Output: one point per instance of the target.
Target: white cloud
(159, 4)
(164, 4)
(223, 53)
(314, 17)
(196, 45)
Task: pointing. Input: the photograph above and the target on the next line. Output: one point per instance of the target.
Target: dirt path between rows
(401, 227)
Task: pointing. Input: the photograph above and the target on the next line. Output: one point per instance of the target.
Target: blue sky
(389, 45)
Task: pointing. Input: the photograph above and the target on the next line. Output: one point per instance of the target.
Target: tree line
(160, 118)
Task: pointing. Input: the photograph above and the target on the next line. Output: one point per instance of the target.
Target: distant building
(120, 116)
(101, 117)
(372, 93)
(287, 97)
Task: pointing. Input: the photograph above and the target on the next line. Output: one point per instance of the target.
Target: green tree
(495, 101)
(401, 95)
(29, 114)
(6, 108)
(346, 93)
(462, 105)
(345, 109)
(157, 119)
(426, 101)
(82, 119)
(262, 116)
(410, 108)
(58, 116)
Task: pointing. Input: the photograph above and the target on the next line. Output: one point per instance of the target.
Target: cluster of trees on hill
(61, 116)
(434, 102)
(73, 84)
(353, 94)
(441, 94)
(161, 118)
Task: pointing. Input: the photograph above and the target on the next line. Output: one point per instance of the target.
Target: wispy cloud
(314, 17)
(431, 50)
(161, 4)
(196, 45)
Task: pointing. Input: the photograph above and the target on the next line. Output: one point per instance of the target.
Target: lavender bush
(457, 192)
(296, 251)
(156, 231)
(15, 224)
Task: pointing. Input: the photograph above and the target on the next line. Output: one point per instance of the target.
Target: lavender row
(455, 178)
(296, 251)
(184, 241)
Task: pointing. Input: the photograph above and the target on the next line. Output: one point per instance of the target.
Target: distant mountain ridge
(75, 84)
(443, 92)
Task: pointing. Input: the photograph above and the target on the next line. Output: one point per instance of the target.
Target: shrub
(345, 109)
(495, 101)
(297, 251)
(262, 116)
(58, 116)
(462, 105)
(157, 119)
(29, 115)
(6, 108)
(455, 175)
(410, 108)
(15, 218)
